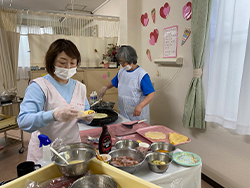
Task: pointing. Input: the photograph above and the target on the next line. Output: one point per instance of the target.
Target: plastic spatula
(130, 125)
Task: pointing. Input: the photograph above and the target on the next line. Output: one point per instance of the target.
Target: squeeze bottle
(45, 143)
(105, 141)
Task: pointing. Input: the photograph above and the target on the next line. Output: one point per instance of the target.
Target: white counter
(175, 177)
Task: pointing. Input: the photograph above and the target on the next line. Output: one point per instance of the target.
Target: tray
(96, 133)
(121, 130)
(136, 137)
(7, 121)
(159, 128)
(50, 171)
(186, 158)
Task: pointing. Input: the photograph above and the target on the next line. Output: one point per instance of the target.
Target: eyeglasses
(122, 63)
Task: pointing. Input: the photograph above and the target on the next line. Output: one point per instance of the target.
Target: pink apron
(68, 131)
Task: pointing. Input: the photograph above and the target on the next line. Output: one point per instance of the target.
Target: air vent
(75, 7)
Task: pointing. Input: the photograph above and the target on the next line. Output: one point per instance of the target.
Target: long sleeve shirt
(32, 116)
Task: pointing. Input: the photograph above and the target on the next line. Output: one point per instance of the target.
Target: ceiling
(79, 6)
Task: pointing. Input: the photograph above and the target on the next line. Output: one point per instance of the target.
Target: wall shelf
(175, 62)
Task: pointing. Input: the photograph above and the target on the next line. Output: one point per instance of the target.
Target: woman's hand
(102, 92)
(64, 114)
(137, 111)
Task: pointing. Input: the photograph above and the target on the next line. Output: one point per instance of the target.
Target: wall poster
(170, 41)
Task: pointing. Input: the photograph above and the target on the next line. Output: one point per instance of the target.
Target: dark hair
(58, 46)
(127, 53)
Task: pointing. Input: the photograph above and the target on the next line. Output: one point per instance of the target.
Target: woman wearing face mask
(51, 103)
(135, 89)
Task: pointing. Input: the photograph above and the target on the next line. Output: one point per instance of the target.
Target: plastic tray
(8, 120)
(96, 133)
(121, 130)
(137, 137)
(50, 171)
(159, 128)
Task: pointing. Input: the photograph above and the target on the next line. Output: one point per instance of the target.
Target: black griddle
(112, 117)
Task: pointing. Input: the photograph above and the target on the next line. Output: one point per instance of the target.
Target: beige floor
(11, 158)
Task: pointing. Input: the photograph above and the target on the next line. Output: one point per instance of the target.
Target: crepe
(175, 138)
(100, 115)
(155, 135)
(85, 113)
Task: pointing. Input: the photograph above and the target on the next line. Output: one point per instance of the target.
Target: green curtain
(194, 109)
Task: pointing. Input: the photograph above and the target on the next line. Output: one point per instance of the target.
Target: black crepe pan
(112, 117)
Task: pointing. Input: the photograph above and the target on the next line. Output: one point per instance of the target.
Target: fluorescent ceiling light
(75, 7)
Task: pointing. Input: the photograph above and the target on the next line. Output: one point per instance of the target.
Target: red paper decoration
(144, 19)
(164, 11)
(154, 37)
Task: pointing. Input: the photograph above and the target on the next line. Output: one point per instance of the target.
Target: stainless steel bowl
(158, 156)
(77, 169)
(137, 155)
(75, 145)
(97, 181)
(7, 98)
(163, 146)
(126, 143)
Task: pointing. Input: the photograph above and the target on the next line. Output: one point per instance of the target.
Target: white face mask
(127, 67)
(63, 73)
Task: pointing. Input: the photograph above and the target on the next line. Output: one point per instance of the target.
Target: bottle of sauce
(105, 141)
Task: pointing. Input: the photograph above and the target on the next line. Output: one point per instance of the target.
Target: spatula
(131, 124)
(52, 149)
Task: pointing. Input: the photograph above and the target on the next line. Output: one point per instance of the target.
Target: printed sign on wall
(170, 41)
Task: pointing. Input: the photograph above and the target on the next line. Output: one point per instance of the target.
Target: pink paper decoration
(164, 10)
(153, 15)
(144, 19)
(105, 76)
(148, 54)
(154, 37)
(187, 11)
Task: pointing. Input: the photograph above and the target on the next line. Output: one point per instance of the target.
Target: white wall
(224, 154)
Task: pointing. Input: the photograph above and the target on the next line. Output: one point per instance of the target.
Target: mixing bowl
(137, 156)
(75, 145)
(126, 143)
(164, 146)
(83, 155)
(163, 157)
(96, 180)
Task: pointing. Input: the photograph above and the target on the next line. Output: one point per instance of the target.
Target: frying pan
(112, 117)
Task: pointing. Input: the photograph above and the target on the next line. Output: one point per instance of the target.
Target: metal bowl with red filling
(129, 160)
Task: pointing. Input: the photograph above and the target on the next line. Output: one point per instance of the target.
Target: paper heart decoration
(152, 40)
(187, 11)
(154, 37)
(144, 19)
(164, 11)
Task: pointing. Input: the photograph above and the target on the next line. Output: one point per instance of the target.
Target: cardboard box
(124, 179)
